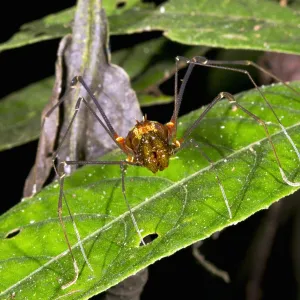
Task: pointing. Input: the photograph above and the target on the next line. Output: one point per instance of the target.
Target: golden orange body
(150, 144)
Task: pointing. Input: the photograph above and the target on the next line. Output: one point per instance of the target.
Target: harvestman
(151, 144)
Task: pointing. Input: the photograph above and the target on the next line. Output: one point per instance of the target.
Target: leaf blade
(182, 204)
(257, 25)
(20, 114)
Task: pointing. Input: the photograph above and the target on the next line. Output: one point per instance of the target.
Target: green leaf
(57, 25)
(137, 58)
(20, 113)
(50, 27)
(151, 63)
(149, 100)
(259, 25)
(234, 24)
(182, 204)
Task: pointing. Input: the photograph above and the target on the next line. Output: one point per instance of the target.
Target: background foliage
(235, 24)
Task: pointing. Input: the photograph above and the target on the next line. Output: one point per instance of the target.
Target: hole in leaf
(149, 238)
(121, 4)
(13, 233)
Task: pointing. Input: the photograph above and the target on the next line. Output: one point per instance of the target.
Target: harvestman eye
(151, 144)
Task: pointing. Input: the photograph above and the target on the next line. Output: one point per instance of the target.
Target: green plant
(183, 204)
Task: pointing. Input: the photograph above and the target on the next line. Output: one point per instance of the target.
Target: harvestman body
(151, 144)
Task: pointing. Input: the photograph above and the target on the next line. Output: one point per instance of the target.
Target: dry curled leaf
(86, 55)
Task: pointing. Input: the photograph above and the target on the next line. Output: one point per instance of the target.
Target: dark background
(179, 275)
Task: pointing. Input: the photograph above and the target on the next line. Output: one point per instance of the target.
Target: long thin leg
(120, 141)
(202, 61)
(192, 141)
(231, 99)
(79, 79)
(77, 106)
(62, 174)
(253, 64)
(54, 155)
(178, 96)
(123, 170)
(122, 165)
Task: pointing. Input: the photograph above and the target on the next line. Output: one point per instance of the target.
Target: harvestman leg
(62, 174)
(247, 63)
(122, 164)
(216, 64)
(110, 130)
(173, 123)
(61, 171)
(231, 99)
(202, 61)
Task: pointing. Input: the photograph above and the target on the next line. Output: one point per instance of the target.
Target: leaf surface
(182, 204)
(20, 113)
(234, 24)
